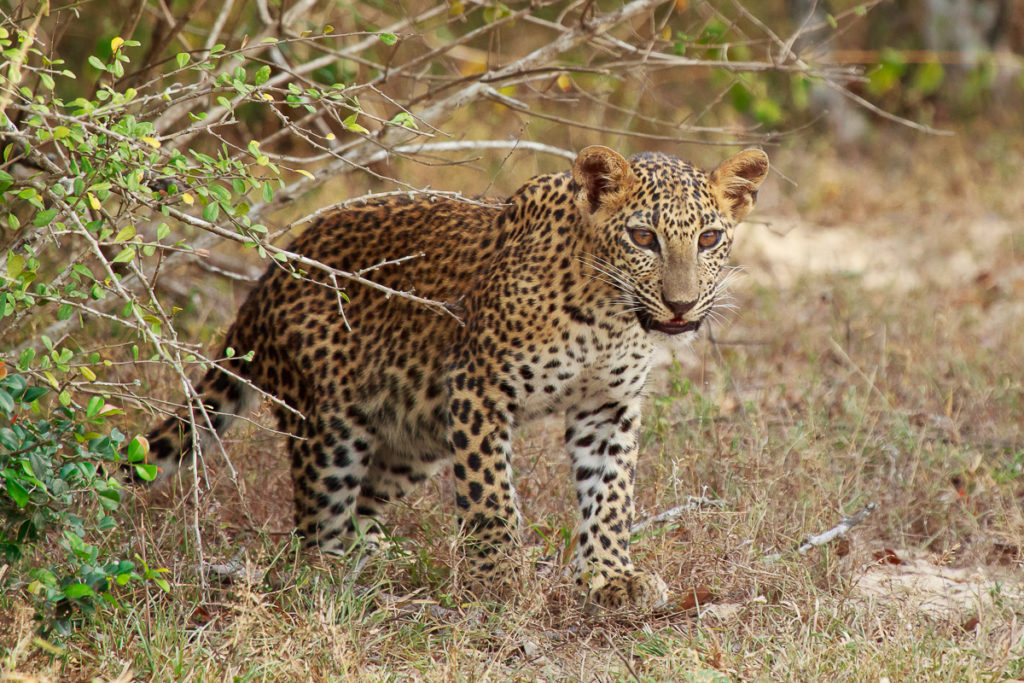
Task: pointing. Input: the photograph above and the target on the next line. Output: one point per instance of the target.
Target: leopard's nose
(679, 308)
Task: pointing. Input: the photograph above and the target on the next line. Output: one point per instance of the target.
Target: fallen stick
(838, 531)
(692, 503)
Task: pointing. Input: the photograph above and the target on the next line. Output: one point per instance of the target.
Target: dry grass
(877, 357)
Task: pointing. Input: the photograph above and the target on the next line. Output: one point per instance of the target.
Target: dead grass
(877, 356)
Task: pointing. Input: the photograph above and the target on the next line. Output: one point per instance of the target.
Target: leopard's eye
(709, 239)
(644, 238)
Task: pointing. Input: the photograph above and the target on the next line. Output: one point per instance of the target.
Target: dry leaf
(887, 556)
(699, 595)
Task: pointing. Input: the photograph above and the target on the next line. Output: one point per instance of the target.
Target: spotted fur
(564, 290)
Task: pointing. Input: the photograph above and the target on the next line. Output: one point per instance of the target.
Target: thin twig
(838, 531)
(692, 503)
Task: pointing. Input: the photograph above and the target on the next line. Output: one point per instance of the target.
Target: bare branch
(826, 537)
(692, 503)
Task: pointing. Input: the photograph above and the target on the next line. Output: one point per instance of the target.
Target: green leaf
(17, 493)
(146, 472)
(219, 193)
(78, 590)
(95, 404)
(741, 98)
(262, 75)
(928, 78)
(211, 212)
(388, 38)
(32, 393)
(799, 91)
(126, 255)
(404, 119)
(182, 59)
(6, 402)
(126, 233)
(96, 63)
(138, 449)
(351, 124)
(15, 265)
(884, 78)
(767, 111)
(43, 218)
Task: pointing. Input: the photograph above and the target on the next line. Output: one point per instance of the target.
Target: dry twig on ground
(824, 538)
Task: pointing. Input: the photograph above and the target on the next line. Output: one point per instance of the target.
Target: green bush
(53, 461)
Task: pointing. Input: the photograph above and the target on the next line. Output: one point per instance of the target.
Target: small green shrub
(53, 461)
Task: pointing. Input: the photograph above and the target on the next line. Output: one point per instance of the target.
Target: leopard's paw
(633, 590)
(496, 578)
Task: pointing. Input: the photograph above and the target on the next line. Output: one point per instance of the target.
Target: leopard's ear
(734, 183)
(603, 179)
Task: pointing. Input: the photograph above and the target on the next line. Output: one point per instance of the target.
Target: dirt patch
(894, 257)
(920, 586)
(916, 586)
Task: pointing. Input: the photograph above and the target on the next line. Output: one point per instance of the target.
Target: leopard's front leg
(480, 439)
(602, 442)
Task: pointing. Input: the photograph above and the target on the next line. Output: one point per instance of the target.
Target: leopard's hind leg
(390, 477)
(331, 451)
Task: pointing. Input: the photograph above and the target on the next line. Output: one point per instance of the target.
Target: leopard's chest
(586, 365)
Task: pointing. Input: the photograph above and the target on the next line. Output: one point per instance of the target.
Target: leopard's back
(384, 355)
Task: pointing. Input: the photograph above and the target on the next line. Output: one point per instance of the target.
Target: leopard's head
(662, 230)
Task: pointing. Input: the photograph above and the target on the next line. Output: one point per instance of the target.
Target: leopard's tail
(172, 443)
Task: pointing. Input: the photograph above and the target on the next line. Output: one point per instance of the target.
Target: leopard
(556, 299)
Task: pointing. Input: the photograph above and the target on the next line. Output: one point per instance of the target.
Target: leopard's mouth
(676, 326)
(673, 326)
